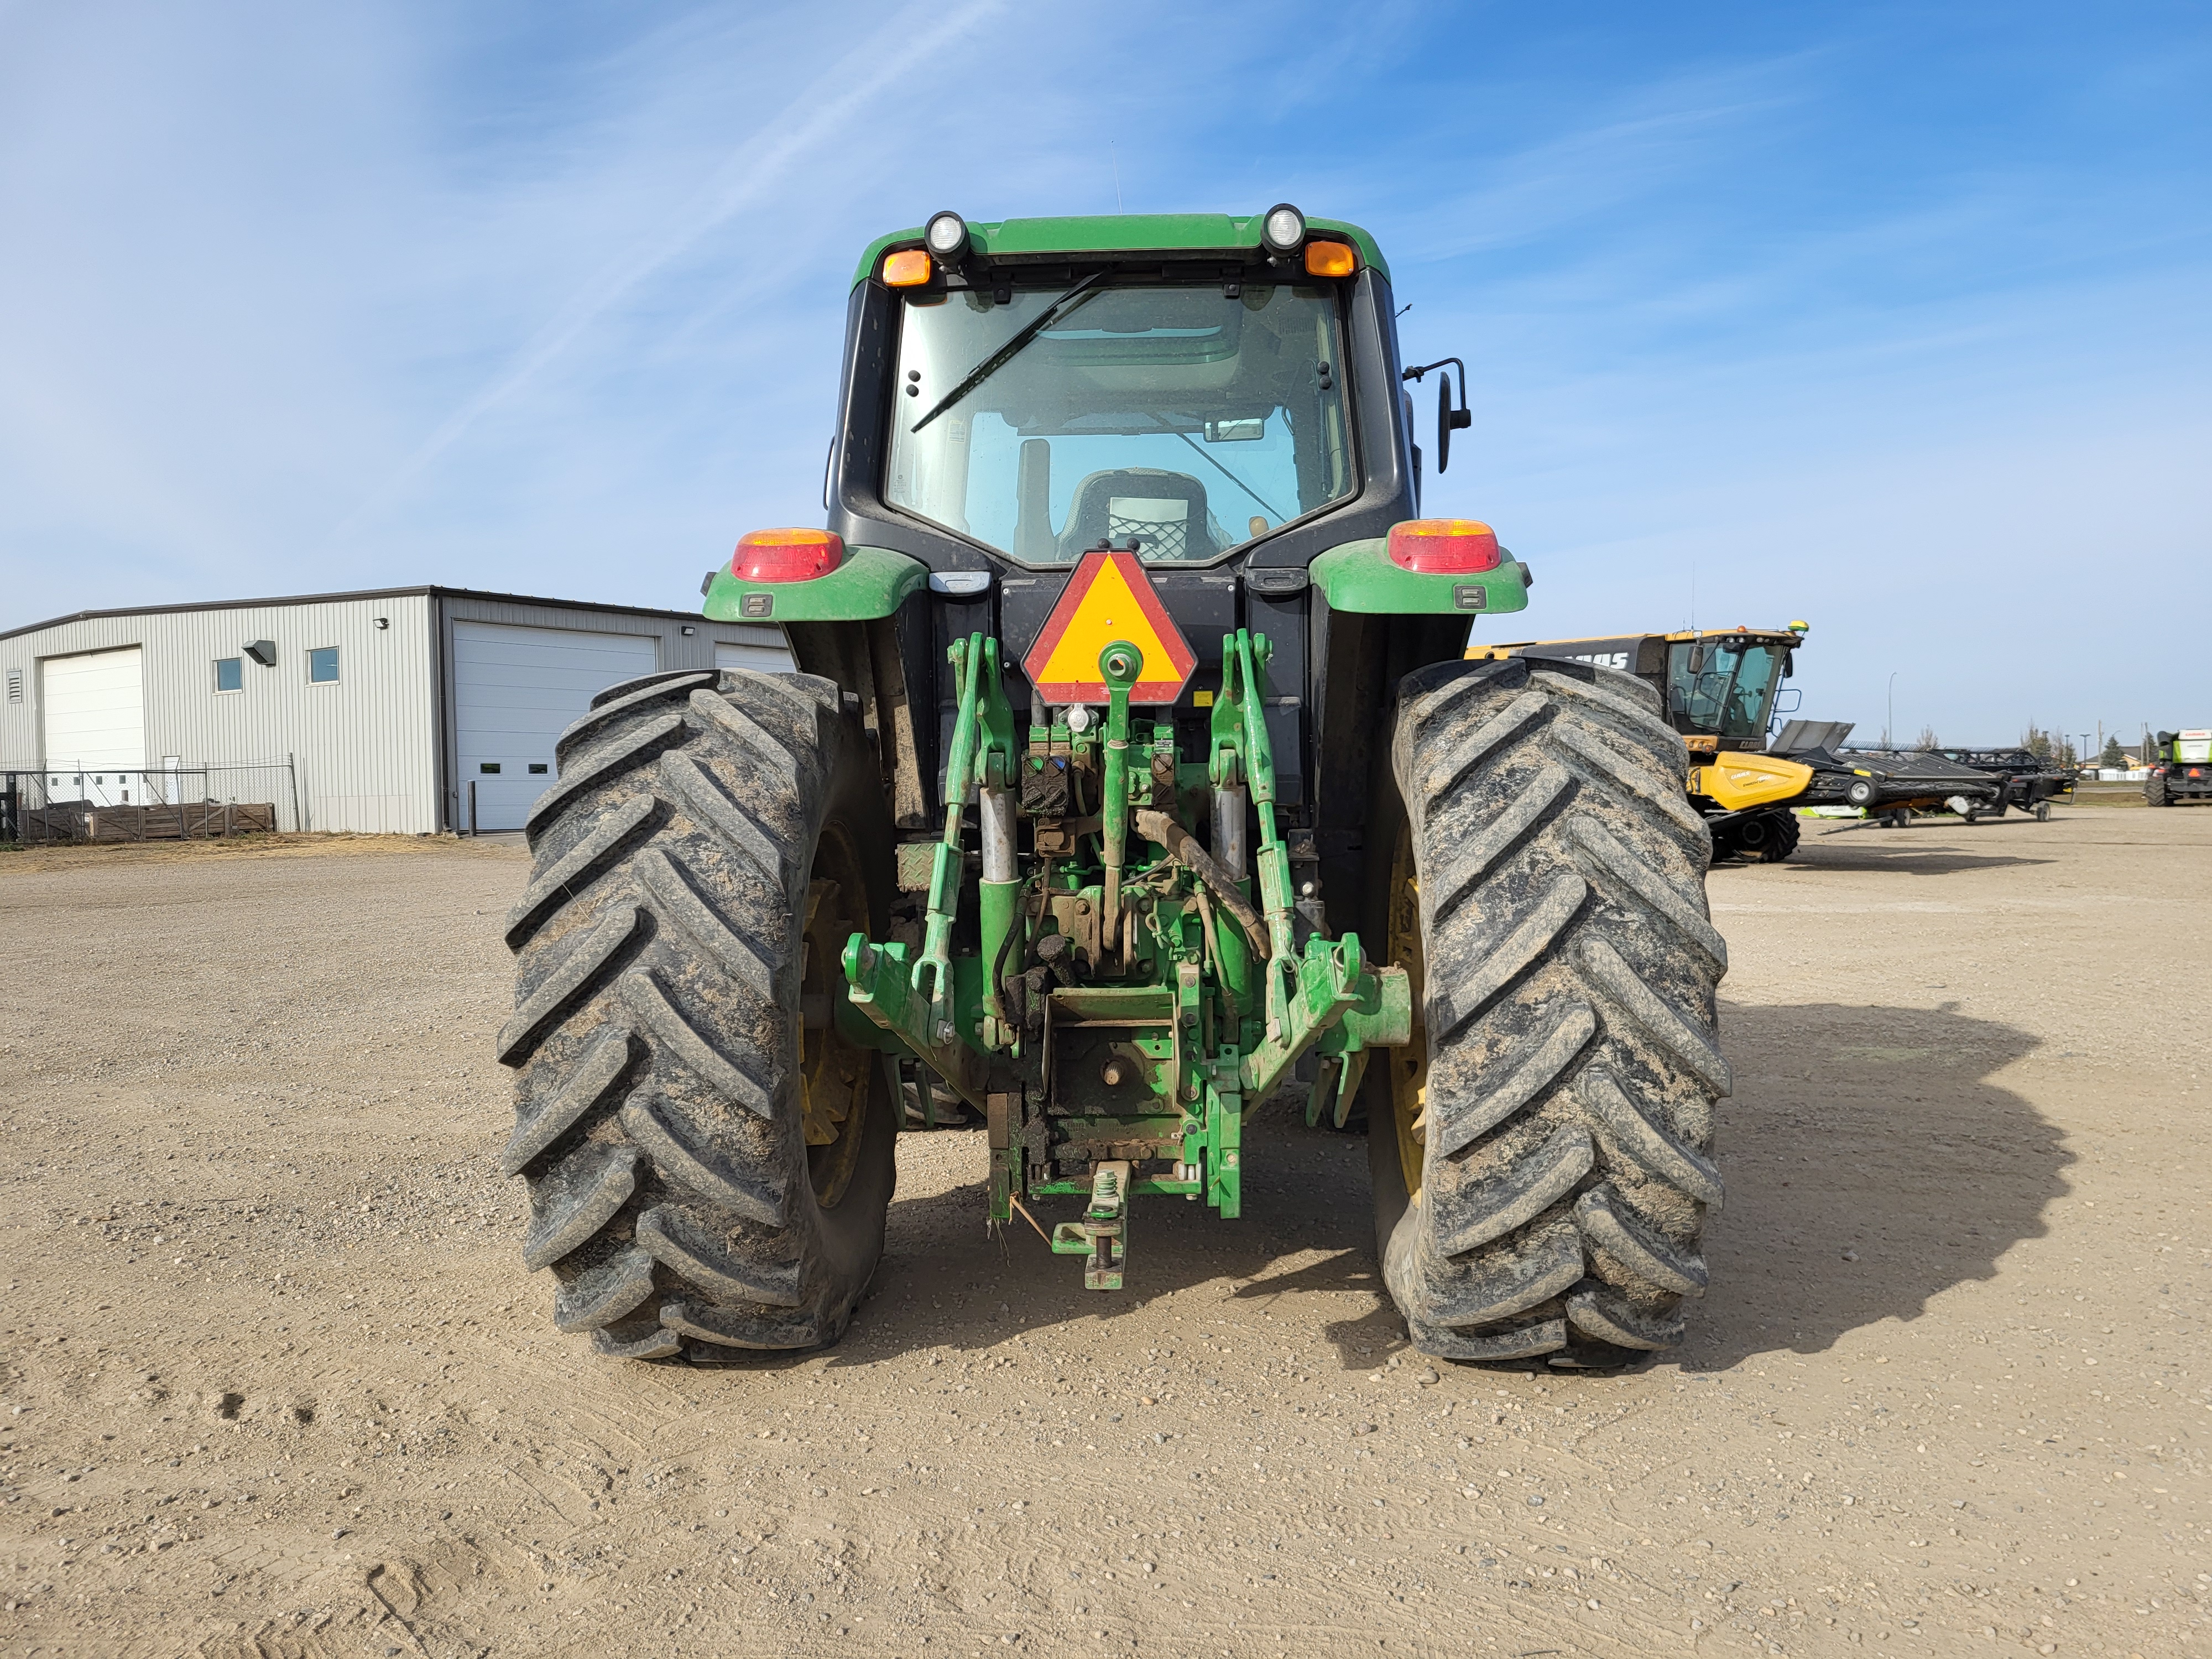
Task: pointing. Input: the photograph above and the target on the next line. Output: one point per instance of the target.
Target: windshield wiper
(992, 364)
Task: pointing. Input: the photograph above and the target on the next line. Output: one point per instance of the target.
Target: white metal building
(407, 710)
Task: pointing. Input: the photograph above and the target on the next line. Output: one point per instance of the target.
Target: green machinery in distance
(1133, 767)
(2180, 764)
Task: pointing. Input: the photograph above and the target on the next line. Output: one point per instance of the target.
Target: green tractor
(1132, 772)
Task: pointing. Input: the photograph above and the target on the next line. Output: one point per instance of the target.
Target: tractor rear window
(1181, 418)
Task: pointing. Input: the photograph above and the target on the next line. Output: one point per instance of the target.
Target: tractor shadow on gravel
(1871, 1165)
(1306, 1230)
(1892, 858)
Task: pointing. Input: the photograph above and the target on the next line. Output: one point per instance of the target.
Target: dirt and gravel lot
(276, 1381)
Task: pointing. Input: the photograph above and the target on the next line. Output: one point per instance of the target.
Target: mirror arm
(1462, 417)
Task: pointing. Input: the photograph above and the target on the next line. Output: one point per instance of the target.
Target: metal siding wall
(362, 745)
(376, 748)
(673, 647)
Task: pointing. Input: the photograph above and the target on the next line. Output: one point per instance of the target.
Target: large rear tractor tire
(2154, 793)
(1540, 1150)
(710, 1160)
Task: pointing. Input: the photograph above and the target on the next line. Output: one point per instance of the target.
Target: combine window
(1187, 419)
(1722, 686)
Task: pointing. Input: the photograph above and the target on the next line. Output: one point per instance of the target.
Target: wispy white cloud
(302, 298)
(822, 111)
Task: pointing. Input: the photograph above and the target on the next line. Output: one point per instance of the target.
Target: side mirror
(1697, 659)
(1448, 419)
(1788, 664)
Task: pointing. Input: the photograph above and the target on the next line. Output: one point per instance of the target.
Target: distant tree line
(2051, 748)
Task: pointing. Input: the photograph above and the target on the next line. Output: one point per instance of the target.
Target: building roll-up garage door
(514, 690)
(93, 709)
(763, 648)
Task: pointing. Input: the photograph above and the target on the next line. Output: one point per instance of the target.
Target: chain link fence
(78, 802)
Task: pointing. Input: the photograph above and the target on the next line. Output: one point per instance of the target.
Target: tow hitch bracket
(1102, 1234)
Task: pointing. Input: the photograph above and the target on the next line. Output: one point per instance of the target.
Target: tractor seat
(1166, 512)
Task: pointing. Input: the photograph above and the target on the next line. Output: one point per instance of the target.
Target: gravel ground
(276, 1382)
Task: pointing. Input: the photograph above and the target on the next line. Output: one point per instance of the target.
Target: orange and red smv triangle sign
(1108, 598)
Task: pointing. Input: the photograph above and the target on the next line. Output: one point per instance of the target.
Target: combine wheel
(1539, 1151)
(2154, 793)
(709, 1161)
(1767, 837)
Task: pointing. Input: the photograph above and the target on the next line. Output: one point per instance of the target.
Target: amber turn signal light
(1330, 259)
(908, 268)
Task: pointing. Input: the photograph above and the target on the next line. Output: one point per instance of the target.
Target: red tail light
(786, 555)
(1445, 547)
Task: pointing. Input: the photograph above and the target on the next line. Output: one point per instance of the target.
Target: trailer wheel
(709, 1159)
(1860, 792)
(2043, 811)
(1540, 1151)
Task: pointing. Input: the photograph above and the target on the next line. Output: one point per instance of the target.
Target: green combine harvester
(2180, 768)
(1132, 771)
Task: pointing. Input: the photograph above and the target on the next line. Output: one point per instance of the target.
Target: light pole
(1889, 724)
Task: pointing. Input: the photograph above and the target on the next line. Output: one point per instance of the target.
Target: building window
(488, 766)
(323, 665)
(230, 673)
(536, 766)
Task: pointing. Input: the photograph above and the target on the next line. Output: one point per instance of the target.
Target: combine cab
(1132, 772)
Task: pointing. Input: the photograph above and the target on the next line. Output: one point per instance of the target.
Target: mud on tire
(1568, 1006)
(708, 1162)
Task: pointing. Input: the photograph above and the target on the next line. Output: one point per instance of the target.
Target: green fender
(873, 581)
(1360, 577)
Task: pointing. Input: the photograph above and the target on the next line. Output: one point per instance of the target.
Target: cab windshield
(1727, 692)
(1185, 420)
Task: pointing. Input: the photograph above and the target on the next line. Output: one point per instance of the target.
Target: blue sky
(1896, 319)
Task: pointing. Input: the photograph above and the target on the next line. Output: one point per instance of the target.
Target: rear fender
(870, 582)
(1360, 577)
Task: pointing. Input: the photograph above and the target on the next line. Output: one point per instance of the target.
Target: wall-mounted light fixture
(262, 650)
(689, 632)
(383, 622)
